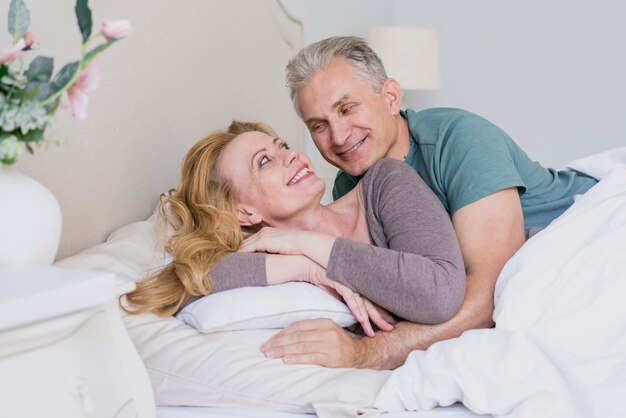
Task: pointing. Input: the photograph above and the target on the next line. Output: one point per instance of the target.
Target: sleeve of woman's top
(420, 276)
(239, 270)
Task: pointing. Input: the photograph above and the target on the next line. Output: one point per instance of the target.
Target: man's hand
(316, 341)
(322, 342)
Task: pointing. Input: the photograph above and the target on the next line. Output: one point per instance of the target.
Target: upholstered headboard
(189, 67)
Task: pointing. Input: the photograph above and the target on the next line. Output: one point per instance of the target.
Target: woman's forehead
(251, 140)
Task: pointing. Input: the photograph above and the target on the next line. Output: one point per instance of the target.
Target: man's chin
(355, 170)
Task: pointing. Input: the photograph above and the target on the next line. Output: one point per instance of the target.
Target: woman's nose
(290, 156)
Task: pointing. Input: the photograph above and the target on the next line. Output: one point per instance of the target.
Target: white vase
(30, 221)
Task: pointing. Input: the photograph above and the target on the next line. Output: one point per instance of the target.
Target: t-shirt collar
(411, 156)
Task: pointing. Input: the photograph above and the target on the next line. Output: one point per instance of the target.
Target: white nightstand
(64, 351)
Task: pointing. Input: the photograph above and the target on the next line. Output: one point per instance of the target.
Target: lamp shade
(410, 55)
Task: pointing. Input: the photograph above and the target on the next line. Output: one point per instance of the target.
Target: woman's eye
(285, 145)
(264, 160)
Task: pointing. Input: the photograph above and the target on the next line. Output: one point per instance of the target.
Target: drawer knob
(81, 390)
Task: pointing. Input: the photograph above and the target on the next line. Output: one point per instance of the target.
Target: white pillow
(598, 165)
(187, 367)
(268, 307)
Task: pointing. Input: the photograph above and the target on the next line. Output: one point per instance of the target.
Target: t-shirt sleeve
(344, 182)
(476, 159)
(420, 276)
(236, 270)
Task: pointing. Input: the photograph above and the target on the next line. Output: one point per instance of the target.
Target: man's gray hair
(366, 64)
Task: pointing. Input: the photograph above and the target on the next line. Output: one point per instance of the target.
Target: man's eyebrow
(340, 101)
(275, 140)
(333, 106)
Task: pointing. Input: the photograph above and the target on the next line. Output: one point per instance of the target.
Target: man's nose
(339, 132)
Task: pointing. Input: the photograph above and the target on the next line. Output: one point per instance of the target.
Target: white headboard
(189, 67)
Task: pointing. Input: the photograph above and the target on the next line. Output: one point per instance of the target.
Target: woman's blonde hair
(201, 227)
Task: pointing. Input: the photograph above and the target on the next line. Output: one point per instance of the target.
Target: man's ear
(393, 94)
(248, 216)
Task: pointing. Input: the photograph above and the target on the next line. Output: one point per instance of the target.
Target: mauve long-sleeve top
(413, 268)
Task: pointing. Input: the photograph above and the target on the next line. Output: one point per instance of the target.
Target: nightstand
(64, 351)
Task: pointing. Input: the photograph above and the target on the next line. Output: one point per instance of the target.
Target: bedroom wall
(552, 74)
(189, 68)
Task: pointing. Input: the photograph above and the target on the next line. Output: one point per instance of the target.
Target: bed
(112, 168)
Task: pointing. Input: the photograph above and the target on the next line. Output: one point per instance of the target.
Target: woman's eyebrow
(274, 141)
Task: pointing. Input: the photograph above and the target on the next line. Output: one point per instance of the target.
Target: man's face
(351, 125)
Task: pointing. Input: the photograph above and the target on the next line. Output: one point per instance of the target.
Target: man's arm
(490, 231)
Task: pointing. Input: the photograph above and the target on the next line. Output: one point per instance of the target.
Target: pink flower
(77, 94)
(11, 53)
(116, 29)
(31, 41)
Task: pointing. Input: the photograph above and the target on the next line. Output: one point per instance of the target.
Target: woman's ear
(248, 216)
(393, 94)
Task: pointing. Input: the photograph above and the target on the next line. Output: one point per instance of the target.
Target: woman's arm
(416, 270)
(419, 276)
(259, 269)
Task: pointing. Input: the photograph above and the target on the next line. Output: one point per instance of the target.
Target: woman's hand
(314, 245)
(365, 311)
(274, 241)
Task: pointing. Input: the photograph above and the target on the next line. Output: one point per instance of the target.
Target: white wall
(551, 73)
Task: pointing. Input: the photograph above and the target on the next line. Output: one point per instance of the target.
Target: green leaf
(38, 92)
(32, 136)
(64, 76)
(19, 19)
(83, 15)
(40, 70)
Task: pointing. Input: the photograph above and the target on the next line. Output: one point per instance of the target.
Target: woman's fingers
(379, 316)
(357, 305)
(331, 291)
(365, 311)
(271, 240)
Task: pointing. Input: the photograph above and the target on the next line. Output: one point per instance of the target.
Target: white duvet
(559, 346)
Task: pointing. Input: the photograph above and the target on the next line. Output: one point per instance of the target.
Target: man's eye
(317, 127)
(346, 110)
(264, 160)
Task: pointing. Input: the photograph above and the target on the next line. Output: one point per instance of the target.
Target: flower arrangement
(30, 95)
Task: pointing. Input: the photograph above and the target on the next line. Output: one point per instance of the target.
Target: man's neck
(401, 148)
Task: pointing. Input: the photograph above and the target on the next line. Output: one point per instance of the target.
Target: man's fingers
(312, 358)
(316, 341)
(296, 332)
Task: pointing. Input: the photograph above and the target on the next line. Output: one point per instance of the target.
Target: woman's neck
(340, 218)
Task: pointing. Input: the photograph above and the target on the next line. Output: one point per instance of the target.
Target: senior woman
(247, 212)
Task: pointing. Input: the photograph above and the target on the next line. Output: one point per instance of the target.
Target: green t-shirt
(463, 158)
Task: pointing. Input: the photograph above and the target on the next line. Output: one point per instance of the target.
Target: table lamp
(410, 55)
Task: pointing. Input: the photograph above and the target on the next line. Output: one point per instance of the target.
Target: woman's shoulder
(387, 169)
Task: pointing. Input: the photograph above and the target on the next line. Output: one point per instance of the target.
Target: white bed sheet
(453, 411)
(559, 346)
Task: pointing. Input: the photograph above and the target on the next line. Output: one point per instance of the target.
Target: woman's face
(270, 179)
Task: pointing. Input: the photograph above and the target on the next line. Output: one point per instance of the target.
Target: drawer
(66, 367)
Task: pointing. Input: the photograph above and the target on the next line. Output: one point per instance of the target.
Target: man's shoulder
(344, 182)
(438, 113)
(444, 119)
